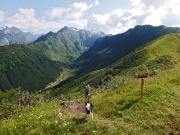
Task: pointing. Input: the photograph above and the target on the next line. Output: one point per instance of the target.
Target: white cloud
(135, 2)
(96, 3)
(115, 22)
(53, 20)
(155, 17)
(25, 19)
(1, 16)
(114, 18)
(139, 13)
(73, 12)
(176, 7)
(177, 25)
(97, 22)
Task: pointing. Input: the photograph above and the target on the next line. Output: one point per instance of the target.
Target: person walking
(87, 93)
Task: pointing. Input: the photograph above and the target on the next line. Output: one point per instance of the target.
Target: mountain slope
(33, 67)
(154, 57)
(14, 35)
(67, 44)
(109, 49)
(21, 66)
(117, 110)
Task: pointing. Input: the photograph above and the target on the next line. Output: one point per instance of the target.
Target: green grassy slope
(67, 44)
(118, 106)
(122, 110)
(109, 49)
(158, 55)
(118, 111)
(21, 66)
(33, 67)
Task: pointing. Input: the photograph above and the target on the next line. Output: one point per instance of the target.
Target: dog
(89, 109)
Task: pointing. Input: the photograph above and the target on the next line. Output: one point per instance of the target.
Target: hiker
(87, 93)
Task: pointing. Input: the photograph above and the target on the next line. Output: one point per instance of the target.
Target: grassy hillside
(118, 106)
(33, 67)
(67, 44)
(109, 49)
(153, 57)
(21, 66)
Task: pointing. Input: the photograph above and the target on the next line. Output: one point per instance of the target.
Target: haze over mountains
(34, 66)
(13, 35)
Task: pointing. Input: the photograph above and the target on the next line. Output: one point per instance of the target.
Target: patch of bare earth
(75, 107)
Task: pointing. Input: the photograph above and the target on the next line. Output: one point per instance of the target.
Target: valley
(110, 65)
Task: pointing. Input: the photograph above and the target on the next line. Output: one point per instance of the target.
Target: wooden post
(142, 83)
(142, 76)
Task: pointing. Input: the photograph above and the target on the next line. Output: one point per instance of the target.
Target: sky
(109, 16)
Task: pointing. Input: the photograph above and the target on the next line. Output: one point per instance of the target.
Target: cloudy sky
(109, 16)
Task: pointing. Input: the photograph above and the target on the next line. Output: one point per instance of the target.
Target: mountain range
(109, 49)
(34, 66)
(67, 44)
(13, 35)
(157, 56)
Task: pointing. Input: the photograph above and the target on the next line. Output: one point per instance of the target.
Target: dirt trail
(75, 107)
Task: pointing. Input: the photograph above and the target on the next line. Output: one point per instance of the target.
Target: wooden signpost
(142, 76)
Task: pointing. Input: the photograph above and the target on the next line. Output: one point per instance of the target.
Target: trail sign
(142, 76)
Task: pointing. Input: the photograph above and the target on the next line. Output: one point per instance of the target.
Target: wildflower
(19, 116)
(60, 114)
(61, 118)
(65, 124)
(56, 121)
(39, 116)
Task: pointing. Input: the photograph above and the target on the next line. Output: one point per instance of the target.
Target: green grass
(45, 118)
(156, 113)
(118, 106)
(66, 73)
(117, 111)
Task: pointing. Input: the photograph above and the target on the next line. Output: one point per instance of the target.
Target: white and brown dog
(89, 111)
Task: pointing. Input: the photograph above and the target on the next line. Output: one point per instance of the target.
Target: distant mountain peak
(112, 48)
(15, 35)
(75, 29)
(66, 28)
(5, 27)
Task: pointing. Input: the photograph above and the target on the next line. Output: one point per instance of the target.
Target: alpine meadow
(42, 83)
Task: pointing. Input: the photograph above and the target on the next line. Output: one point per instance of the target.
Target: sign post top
(143, 75)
